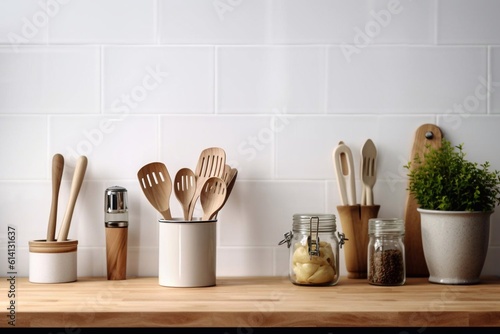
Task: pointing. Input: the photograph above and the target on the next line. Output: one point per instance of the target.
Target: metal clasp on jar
(342, 239)
(313, 243)
(288, 239)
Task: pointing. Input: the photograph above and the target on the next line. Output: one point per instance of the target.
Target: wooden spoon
(57, 172)
(212, 196)
(156, 184)
(184, 188)
(76, 184)
(210, 163)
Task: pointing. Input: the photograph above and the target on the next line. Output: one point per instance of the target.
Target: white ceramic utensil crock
(52, 261)
(187, 253)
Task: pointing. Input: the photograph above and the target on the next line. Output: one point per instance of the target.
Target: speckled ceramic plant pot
(455, 244)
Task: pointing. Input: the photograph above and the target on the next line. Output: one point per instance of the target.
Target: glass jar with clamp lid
(314, 249)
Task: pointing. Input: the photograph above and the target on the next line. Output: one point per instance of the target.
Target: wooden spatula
(211, 162)
(344, 168)
(184, 188)
(156, 184)
(229, 178)
(426, 136)
(212, 196)
(230, 175)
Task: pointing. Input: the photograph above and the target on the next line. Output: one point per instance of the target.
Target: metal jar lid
(313, 225)
(321, 222)
(379, 226)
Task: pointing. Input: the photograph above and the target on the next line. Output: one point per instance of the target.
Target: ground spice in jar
(386, 251)
(386, 267)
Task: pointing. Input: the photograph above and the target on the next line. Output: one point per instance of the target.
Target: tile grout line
(215, 92)
(489, 50)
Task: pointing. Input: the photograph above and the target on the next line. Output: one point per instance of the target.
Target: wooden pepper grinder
(116, 224)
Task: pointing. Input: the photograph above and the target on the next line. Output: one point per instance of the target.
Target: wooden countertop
(252, 302)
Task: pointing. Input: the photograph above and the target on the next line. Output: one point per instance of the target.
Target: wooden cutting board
(427, 135)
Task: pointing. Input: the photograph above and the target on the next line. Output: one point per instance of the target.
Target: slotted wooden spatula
(156, 184)
(426, 136)
(211, 162)
(344, 168)
(229, 178)
(230, 175)
(212, 196)
(184, 188)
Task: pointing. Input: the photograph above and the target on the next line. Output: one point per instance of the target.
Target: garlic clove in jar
(304, 271)
(324, 274)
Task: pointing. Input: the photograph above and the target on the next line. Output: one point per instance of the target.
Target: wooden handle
(57, 171)
(116, 252)
(369, 196)
(76, 184)
(192, 204)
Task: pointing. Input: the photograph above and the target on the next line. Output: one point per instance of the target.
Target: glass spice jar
(314, 249)
(386, 251)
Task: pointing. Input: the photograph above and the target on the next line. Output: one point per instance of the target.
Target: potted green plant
(456, 198)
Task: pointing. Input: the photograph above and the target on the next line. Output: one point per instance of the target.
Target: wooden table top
(251, 302)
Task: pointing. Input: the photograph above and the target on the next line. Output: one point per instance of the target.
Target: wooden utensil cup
(116, 252)
(354, 220)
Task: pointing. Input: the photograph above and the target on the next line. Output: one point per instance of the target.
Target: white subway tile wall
(276, 83)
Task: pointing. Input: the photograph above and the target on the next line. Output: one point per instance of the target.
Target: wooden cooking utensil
(225, 174)
(76, 184)
(184, 188)
(427, 135)
(229, 178)
(210, 163)
(212, 196)
(368, 171)
(156, 184)
(344, 168)
(57, 172)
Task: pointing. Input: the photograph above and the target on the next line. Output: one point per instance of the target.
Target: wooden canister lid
(44, 246)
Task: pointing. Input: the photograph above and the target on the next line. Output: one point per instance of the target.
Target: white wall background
(276, 83)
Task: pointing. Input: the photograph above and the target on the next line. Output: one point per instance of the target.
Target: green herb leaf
(443, 179)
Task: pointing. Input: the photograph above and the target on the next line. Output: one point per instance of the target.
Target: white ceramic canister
(187, 253)
(52, 261)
